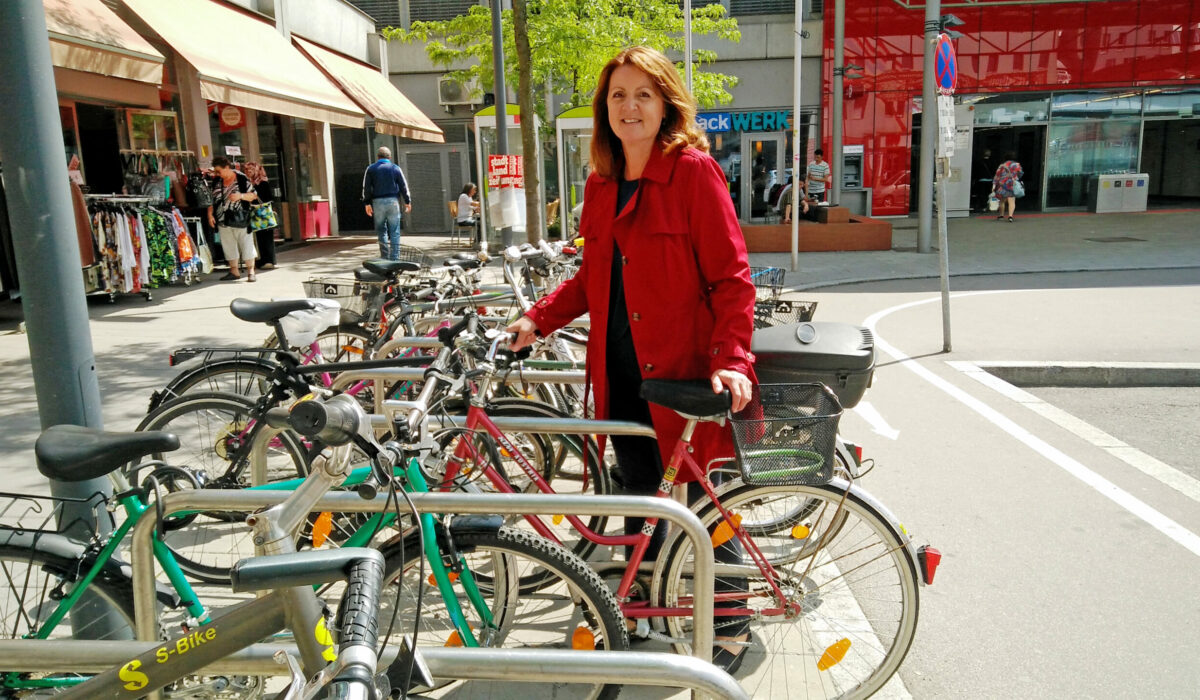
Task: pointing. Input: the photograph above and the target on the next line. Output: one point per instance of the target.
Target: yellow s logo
(325, 639)
(134, 679)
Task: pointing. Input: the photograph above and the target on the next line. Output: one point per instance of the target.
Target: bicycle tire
(548, 619)
(244, 376)
(854, 582)
(549, 454)
(209, 426)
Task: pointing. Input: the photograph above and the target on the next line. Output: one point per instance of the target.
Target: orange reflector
(582, 639)
(723, 533)
(833, 655)
(353, 350)
(452, 575)
(454, 640)
(557, 519)
(801, 532)
(322, 528)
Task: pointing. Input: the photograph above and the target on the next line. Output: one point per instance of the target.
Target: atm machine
(855, 197)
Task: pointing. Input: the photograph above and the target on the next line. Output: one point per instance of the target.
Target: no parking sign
(945, 65)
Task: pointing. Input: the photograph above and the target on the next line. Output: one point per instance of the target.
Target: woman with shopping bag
(1007, 185)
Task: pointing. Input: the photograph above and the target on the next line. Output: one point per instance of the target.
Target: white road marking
(1154, 468)
(879, 424)
(1186, 538)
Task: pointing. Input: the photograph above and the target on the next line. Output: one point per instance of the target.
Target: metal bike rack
(535, 662)
(559, 665)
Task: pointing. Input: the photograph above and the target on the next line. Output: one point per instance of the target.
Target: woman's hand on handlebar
(526, 332)
(738, 384)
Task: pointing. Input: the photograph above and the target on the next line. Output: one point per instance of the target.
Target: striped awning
(87, 36)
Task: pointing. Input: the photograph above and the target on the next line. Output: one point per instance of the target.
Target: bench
(854, 233)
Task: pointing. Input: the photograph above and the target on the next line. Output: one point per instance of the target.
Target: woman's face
(635, 106)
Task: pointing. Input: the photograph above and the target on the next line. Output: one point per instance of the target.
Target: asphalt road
(1067, 572)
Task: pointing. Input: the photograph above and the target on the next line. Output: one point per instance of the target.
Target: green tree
(569, 42)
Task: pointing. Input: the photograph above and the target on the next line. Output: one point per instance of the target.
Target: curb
(1095, 374)
(923, 276)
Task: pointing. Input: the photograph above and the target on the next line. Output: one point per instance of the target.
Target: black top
(266, 193)
(622, 358)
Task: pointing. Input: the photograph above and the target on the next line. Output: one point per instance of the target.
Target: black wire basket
(782, 312)
(768, 282)
(786, 435)
(81, 518)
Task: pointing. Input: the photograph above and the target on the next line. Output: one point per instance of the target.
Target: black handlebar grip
(447, 335)
(359, 623)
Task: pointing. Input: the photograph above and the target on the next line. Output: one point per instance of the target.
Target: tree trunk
(534, 227)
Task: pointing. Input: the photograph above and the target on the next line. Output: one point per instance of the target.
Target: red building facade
(1086, 84)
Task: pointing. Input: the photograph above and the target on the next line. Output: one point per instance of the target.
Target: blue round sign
(945, 65)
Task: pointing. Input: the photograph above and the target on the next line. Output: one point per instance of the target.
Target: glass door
(766, 158)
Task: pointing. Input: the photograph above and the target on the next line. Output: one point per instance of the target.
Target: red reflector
(171, 360)
(929, 558)
(570, 250)
(858, 453)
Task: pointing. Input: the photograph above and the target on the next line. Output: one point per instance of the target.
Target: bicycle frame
(477, 419)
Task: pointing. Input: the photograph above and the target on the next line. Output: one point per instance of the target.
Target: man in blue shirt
(383, 188)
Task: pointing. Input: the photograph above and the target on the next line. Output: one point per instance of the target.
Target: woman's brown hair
(679, 127)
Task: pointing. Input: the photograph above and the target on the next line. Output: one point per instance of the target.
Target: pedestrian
(1007, 185)
(807, 211)
(819, 177)
(264, 238)
(468, 209)
(230, 215)
(666, 281)
(383, 188)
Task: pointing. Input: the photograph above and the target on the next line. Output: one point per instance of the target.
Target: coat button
(715, 351)
(624, 260)
(636, 317)
(648, 367)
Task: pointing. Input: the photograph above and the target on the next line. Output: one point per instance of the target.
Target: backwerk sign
(772, 120)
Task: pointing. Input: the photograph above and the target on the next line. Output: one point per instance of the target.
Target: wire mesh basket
(786, 435)
(355, 296)
(768, 282)
(409, 253)
(779, 313)
(34, 514)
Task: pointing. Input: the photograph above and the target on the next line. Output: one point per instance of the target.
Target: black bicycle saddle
(267, 311)
(75, 453)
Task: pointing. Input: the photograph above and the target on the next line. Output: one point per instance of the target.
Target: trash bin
(857, 200)
(1118, 192)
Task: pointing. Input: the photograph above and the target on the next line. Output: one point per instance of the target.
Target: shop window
(1172, 104)
(153, 130)
(1096, 105)
(1009, 109)
(1079, 150)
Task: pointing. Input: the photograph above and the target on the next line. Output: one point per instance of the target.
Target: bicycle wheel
(575, 611)
(213, 429)
(844, 565)
(559, 459)
(244, 376)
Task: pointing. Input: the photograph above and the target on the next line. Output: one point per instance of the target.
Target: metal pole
(506, 233)
(929, 132)
(944, 251)
(687, 43)
(47, 252)
(797, 152)
(839, 76)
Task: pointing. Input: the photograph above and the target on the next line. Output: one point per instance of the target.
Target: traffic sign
(945, 65)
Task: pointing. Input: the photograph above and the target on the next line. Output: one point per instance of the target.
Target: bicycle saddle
(267, 311)
(75, 453)
(362, 274)
(692, 397)
(387, 268)
(464, 263)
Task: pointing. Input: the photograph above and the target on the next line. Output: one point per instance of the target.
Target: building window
(152, 130)
(761, 7)
(386, 13)
(438, 10)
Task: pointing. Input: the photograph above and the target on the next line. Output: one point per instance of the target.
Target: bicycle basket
(783, 312)
(28, 513)
(409, 253)
(768, 282)
(355, 296)
(786, 435)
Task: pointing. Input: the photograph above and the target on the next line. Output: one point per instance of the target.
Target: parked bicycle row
(816, 585)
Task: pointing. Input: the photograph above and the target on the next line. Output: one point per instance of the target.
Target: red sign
(230, 118)
(506, 171)
(945, 68)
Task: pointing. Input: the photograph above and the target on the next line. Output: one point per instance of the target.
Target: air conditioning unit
(451, 92)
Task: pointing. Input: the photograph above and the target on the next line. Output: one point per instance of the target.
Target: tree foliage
(571, 40)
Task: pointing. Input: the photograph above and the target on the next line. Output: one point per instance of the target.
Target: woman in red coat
(665, 276)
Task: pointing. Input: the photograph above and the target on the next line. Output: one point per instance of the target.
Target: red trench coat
(687, 285)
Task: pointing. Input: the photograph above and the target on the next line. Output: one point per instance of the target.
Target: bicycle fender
(63, 547)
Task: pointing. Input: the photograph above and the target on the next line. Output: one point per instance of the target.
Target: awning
(87, 36)
(246, 62)
(393, 112)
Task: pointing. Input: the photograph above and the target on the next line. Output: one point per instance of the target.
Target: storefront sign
(231, 118)
(771, 120)
(233, 150)
(506, 172)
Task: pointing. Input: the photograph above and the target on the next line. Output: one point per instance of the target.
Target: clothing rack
(136, 236)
